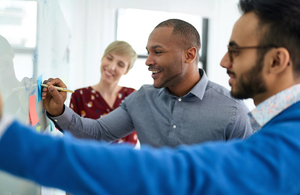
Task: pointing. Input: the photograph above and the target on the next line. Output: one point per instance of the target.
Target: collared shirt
(272, 106)
(206, 113)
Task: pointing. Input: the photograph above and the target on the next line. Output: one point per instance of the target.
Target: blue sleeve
(87, 167)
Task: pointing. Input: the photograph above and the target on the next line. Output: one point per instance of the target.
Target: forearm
(46, 160)
(87, 167)
(106, 128)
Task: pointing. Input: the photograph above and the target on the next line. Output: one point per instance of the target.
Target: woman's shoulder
(127, 90)
(84, 90)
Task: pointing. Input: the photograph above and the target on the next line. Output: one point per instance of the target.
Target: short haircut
(189, 36)
(279, 21)
(121, 48)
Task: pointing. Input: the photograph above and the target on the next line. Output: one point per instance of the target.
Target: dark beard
(251, 83)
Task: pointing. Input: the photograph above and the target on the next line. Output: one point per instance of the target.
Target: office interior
(67, 38)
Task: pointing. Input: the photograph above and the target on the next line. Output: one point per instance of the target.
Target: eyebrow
(232, 43)
(155, 47)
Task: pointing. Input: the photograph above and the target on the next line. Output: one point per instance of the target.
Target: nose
(149, 61)
(113, 65)
(225, 62)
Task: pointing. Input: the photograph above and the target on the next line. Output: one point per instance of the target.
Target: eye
(109, 58)
(158, 52)
(121, 65)
(234, 51)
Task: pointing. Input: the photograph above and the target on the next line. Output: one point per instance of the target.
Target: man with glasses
(181, 107)
(265, 163)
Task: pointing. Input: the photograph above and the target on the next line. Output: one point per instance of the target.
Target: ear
(190, 54)
(279, 61)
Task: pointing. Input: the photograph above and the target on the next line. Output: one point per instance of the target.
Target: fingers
(55, 82)
(52, 82)
(54, 99)
(57, 97)
(44, 92)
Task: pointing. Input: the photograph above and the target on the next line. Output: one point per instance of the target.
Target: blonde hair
(121, 48)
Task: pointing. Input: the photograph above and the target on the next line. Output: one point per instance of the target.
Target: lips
(108, 74)
(155, 73)
(231, 77)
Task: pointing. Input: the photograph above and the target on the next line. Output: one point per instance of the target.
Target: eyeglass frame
(232, 48)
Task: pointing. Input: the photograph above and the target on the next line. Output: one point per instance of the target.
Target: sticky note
(40, 80)
(52, 127)
(38, 129)
(32, 111)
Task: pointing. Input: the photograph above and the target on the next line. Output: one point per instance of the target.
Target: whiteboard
(21, 95)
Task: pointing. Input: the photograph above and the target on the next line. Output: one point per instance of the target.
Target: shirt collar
(272, 106)
(198, 90)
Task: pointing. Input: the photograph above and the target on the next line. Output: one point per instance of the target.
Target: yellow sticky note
(38, 129)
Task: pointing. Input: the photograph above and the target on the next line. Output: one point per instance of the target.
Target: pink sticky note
(32, 111)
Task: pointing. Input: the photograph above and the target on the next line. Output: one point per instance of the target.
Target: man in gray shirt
(181, 107)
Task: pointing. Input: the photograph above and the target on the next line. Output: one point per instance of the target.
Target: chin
(157, 86)
(239, 95)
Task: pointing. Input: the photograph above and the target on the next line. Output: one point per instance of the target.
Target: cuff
(62, 121)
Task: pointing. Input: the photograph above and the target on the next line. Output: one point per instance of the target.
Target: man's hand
(53, 99)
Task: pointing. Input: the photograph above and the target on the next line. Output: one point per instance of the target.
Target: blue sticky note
(40, 88)
(52, 127)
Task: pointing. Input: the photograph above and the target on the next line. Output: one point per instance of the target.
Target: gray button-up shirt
(206, 113)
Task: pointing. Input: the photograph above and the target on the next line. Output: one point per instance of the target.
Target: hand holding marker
(59, 88)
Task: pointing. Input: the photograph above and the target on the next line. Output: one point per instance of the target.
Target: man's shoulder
(221, 91)
(146, 93)
(146, 90)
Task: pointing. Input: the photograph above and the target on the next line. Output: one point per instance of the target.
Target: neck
(279, 84)
(186, 84)
(107, 89)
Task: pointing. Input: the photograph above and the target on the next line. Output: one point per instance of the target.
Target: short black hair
(187, 32)
(280, 20)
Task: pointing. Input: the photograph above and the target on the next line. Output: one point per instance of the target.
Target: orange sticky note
(32, 111)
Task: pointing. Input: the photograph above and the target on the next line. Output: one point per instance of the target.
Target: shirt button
(174, 126)
(55, 120)
(179, 99)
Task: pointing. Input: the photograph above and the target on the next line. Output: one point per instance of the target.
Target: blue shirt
(265, 163)
(206, 113)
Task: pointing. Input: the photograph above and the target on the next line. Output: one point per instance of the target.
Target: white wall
(92, 26)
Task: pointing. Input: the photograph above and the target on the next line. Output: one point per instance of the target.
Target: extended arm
(87, 167)
(115, 125)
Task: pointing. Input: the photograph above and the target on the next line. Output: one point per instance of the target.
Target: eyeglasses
(235, 49)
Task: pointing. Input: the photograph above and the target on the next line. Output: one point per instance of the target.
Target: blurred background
(67, 38)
